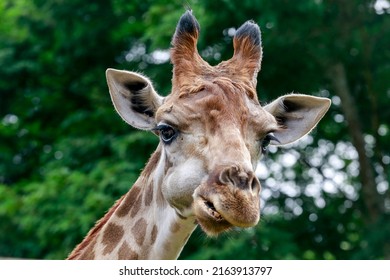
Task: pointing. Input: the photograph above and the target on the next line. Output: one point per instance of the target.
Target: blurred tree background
(66, 156)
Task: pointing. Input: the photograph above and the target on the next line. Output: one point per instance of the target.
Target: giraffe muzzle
(230, 197)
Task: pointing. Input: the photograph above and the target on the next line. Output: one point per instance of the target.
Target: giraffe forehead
(213, 103)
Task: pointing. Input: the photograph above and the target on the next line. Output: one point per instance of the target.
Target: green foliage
(65, 156)
(57, 210)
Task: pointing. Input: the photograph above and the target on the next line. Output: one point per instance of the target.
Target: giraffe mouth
(209, 218)
(219, 209)
(212, 211)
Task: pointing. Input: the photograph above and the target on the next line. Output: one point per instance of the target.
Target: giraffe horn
(247, 50)
(185, 38)
(184, 53)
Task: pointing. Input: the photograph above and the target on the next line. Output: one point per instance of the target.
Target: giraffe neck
(141, 224)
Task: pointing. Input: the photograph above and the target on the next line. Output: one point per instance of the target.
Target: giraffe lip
(208, 217)
(210, 209)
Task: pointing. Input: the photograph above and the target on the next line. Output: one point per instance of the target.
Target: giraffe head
(212, 127)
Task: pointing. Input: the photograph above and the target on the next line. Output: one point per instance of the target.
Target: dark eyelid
(166, 123)
(162, 125)
(270, 136)
(159, 127)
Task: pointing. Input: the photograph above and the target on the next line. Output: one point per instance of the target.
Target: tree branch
(370, 195)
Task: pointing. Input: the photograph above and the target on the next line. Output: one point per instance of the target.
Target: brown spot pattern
(149, 194)
(126, 253)
(127, 204)
(154, 234)
(111, 237)
(136, 206)
(152, 163)
(160, 199)
(175, 227)
(139, 231)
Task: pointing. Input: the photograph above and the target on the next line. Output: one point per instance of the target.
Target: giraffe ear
(297, 115)
(134, 98)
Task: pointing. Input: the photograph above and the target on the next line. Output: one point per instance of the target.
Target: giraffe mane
(75, 254)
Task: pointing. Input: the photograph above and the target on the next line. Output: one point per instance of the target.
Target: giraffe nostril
(242, 180)
(255, 185)
(239, 178)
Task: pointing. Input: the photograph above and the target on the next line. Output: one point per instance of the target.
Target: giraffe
(213, 131)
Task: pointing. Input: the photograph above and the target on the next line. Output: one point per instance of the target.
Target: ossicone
(247, 50)
(187, 25)
(184, 53)
(185, 38)
(251, 30)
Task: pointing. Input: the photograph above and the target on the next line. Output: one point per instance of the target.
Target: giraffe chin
(216, 214)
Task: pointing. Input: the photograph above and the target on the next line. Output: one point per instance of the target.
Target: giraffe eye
(266, 141)
(167, 133)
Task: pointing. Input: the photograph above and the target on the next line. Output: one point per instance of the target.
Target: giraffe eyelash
(267, 140)
(167, 133)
